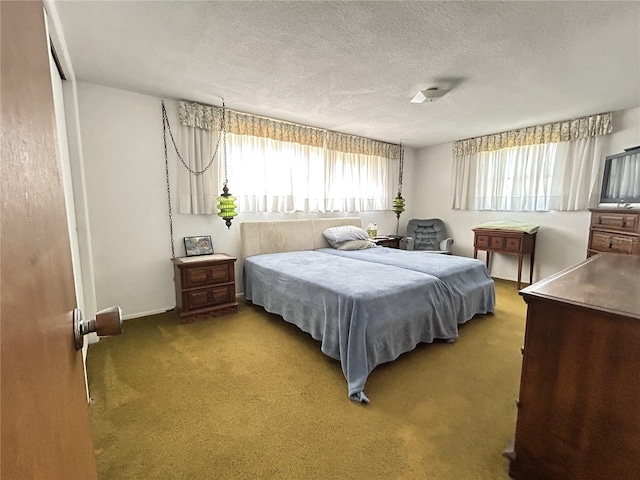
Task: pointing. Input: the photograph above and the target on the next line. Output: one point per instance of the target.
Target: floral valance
(208, 117)
(341, 142)
(564, 131)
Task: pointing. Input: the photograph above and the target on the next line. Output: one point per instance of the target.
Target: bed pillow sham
(356, 245)
(337, 235)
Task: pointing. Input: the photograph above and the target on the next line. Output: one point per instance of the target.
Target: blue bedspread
(468, 279)
(363, 313)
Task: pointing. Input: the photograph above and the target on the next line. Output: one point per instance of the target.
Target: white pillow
(356, 245)
(338, 235)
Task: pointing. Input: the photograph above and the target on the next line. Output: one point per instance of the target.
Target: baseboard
(144, 314)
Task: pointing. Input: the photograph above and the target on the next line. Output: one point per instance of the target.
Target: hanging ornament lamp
(227, 206)
(226, 202)
(398, 205)
(398, 202)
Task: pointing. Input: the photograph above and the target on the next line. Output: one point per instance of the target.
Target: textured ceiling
(354, 66)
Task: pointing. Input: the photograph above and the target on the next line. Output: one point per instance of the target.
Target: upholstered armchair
(427, 236)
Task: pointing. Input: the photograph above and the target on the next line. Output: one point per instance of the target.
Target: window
(277, 166)
(515, 179)
(548, 167)
(274, 176)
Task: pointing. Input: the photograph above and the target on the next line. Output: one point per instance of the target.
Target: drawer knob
(210, 296)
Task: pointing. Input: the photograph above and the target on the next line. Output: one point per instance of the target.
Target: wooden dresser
(579, 403)
(614, 230)
(205, 285)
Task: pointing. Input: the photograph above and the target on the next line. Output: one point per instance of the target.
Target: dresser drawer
(213, 274)
(608, 242)
(626, 222)
(209, 297)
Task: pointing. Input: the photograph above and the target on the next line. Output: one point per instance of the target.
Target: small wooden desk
(511, 242)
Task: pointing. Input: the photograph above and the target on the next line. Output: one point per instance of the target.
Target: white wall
(123, 159)
(562, 237)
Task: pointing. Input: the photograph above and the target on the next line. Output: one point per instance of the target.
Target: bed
(363, 312)
(467, 279)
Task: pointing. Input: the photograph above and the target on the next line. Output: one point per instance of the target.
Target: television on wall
(621, 179)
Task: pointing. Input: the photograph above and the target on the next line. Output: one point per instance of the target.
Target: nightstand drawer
(208, 297)
(211, 275)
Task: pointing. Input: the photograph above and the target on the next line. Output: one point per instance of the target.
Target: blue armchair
(427, 236)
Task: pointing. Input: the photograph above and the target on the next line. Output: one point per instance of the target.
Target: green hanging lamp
(398, 205)
(399, 202)
(226, 202)
(227, 206)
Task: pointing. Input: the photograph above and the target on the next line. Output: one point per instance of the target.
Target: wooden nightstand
(205, 285)
(391, 241)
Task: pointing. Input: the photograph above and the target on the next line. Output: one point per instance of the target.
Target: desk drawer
(497, 243)
(482, 240)
(201, 276)
(513, 244)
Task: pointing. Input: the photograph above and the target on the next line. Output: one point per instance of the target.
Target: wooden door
(45, 431)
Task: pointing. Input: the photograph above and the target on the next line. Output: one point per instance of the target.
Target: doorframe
(65, 100)
(80, 216)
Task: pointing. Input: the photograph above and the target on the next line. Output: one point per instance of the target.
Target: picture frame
(200, 245)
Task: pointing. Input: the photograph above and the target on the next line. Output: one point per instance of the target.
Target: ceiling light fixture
(429, 95)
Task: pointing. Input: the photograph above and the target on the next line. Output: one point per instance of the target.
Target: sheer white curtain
(358, 183)
(550, 176)
(274, 176)
(576, 175)
(198, 193)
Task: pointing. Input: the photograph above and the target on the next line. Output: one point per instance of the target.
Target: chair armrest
(407, 243)
(445, 244)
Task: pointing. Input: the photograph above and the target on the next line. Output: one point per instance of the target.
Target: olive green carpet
(249, 396)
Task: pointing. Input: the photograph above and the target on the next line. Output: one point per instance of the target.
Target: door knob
(107, 322)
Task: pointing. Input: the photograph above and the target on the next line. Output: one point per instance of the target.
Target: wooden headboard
(288, 235)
